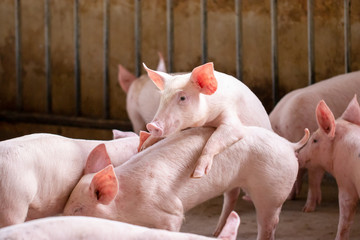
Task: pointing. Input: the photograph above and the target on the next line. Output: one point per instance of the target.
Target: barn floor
(294, 224)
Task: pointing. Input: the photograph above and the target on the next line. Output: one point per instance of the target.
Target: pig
(39, 171)
(294, 112)
(154, 187)
(335, 148)
(143, 97)
(77, 227)
(205, 97)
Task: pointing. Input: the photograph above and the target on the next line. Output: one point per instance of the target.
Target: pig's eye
(315, 141)
(182, 98)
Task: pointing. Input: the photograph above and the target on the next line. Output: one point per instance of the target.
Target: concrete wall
(292, 37)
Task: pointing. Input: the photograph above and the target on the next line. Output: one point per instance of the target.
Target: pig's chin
(173, 129)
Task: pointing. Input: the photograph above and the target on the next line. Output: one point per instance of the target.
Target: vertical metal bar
(137, 37)
(238, 32)
(347, 35)
(19, 85)
(170, 33)
(204, 51)
(106, 60)
(48, 56)
(274, 52)
(77, 58)
(311, 56)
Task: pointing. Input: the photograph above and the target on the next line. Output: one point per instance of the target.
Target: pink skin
(205, 97)
(76, 227)
(50, 166)
(295, 111)
(335, 148)
(155, 190)
(139, 90)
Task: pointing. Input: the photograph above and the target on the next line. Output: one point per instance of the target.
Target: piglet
(77, 227)
(143, 97)
(154, 188)
(295, 111)
(205, 97)
(335, 147)
(39, 171)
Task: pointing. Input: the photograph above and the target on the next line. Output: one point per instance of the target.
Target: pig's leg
(267, 219)
(347, 204)
(224, 136)
(295, 191)
(230, 199)
(314, 193)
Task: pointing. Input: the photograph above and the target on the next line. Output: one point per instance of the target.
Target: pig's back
(296, 110)
(248, 106)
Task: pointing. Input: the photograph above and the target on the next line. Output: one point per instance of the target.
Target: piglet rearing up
(335, 147)
(205, 97)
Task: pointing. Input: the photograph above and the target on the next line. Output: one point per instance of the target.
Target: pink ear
(325, 118)
(105, 185)
(125, 78)
(97, 159)
(143, 136)
(230, 229)
(155, 77)
(204, 78)
(161, 65)
(352, 112)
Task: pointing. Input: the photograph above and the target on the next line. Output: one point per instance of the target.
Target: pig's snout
(154, 129)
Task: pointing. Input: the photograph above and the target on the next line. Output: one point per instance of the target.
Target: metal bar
(18, 56)
(311, 56)
(137, 38)
(238, 32)
(347, 35)
(82, 122)
(106, 61)
(48, 56)
(77, 58)
(170, 34)
(204, 51)
(274, 53)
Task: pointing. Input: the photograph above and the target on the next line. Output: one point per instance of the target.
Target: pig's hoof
(198, 174)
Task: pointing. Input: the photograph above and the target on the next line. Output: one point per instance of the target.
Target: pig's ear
(161, 67)
(104, 185)
(121, 134)
(203, 77)
(158, 78)
(230, 229)
(352, 112)
(325, 119)
(125, 78)
(143, 136)
(97, 159)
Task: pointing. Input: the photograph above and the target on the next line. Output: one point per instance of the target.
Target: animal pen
(59, 61)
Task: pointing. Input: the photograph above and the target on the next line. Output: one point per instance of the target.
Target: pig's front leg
(230, 199)
(347, 204)
(224, 136)
(314, 193)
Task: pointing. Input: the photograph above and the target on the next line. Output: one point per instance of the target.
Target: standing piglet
(143, 97)
(205, 97)
(76, 227)
(154, 187)
(295, 111)
(335, 147)
(39, 171)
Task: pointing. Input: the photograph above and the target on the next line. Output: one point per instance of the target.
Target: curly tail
(303, 141)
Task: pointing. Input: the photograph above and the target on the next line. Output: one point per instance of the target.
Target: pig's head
(96, 190)
(319, 150)
(182, 102)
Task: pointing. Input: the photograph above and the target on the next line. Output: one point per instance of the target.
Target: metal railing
(105, 122)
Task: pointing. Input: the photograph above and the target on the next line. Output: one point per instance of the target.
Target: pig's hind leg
(230, 199)
(224, 136)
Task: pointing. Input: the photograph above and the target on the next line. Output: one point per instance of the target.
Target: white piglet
(39, 171)
(154, 188)
(205, 97)
(335, 147)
